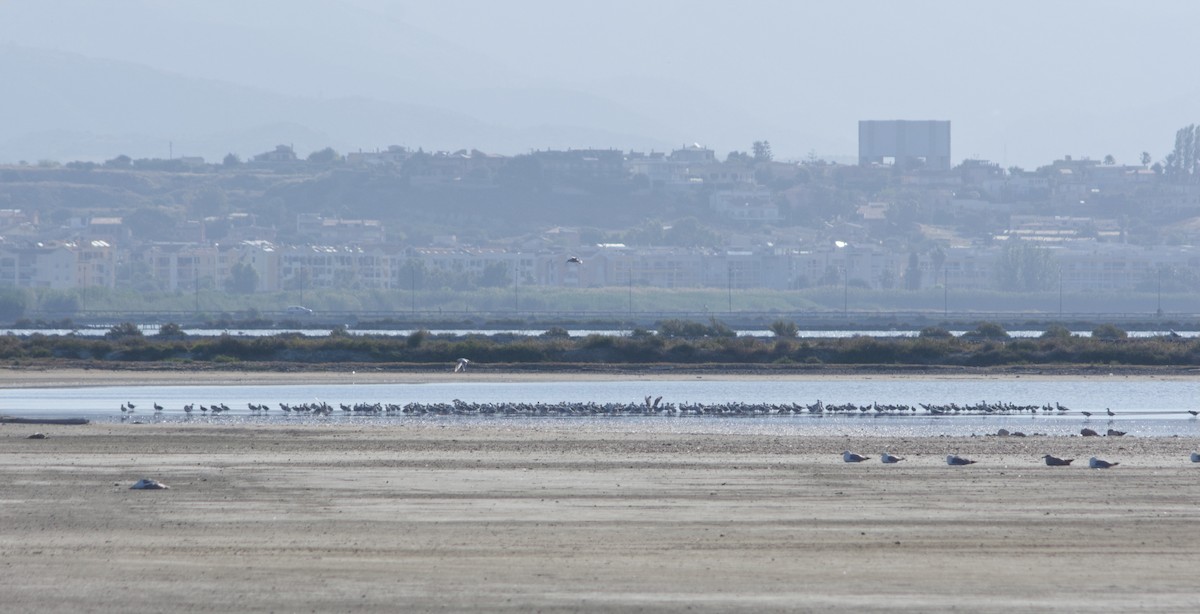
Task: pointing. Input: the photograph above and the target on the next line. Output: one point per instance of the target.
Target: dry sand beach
(526, 516)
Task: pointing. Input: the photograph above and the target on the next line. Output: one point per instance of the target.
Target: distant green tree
(324, 156)
(149, 223)
(1024, 267)
(1109, 332)
(243, 279)
(1057, 331)
(124, 330)
(785, 329)
(495, 275)
(231, 159)
(1109, 160)
(912, 274)
(987, 331)
(938, 256)
(60, 302)
(121, 161)
(762, 151)
(171, 330)
(1145, 158)
(209, 202)
(1181, 162)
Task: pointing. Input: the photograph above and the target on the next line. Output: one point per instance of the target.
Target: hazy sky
(1022, 81)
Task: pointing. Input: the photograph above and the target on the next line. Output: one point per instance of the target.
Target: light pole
(945, 293)
(729, 270)
(1060, 294)
(845, 293)
(412, 283)
(1159, 311)
(631, 293)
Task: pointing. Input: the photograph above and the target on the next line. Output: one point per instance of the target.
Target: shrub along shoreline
(675, 343)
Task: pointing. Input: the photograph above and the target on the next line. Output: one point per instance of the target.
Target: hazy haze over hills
(1023, 82)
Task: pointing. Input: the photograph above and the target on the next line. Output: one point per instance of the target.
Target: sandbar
(531, 516)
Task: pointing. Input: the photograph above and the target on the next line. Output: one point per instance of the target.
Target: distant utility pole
(1060, 294)
(631, 292)
(729, 270)
(413, 288)
(845, 292)
(945, 293)
(1159, 311)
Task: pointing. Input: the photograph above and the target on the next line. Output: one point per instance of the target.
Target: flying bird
(1057, 462)
(851, 457)
(461, 365)
(574, 260)
(1096, 463)
(953, 460)
(888, 459)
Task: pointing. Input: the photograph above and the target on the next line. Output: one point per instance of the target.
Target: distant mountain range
(65, 107)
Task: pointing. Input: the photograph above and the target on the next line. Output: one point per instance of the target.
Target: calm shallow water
(1145, 407)
(100, 331)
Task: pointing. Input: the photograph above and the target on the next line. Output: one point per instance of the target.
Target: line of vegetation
(18, 303)
(675, 342)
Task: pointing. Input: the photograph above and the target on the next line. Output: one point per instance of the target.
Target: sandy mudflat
(526, 516)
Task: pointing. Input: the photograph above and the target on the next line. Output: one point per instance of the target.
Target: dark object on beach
(1089, 433)
(1115, 433)
(37, 436)
(958, 461)
(66, 421)
(148, 484)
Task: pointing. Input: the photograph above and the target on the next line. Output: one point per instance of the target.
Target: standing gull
(954, 460)
(1054, 461)
(1096, 463)
(888, 459)
(851, 457)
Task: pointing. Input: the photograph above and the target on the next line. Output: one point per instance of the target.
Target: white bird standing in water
(462, 365)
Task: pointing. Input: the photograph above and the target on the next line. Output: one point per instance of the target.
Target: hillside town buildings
(903, 175)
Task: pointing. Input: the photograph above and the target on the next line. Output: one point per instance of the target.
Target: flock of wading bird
(656, 407)
(651, 406)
